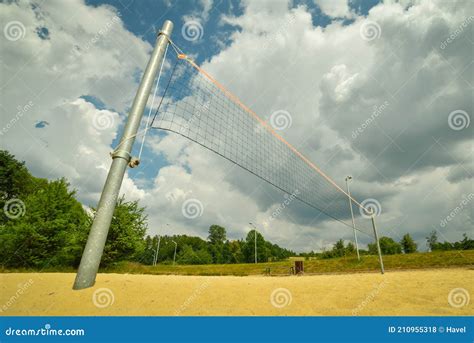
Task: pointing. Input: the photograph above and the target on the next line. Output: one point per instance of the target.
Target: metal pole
(352, 216)
(255, 245)
(175, 246)
(378, 244)
(155, 260)
(255, 230)
(92, 254)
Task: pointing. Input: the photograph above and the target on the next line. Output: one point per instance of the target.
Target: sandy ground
(395, 293)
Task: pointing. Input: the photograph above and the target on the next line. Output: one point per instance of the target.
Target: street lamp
(155, 259)
(175, 246)
(255, 230)
(352, 215)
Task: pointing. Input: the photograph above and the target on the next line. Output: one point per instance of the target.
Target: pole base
(82, 283)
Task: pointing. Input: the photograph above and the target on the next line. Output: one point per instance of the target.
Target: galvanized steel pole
(174, 256)
(155, 259)
(377, 241)
(352, 216)
(255, 245)
(92, 254)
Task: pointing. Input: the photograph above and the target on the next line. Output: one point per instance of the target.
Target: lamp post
(175, 246)
(255, 230)
(352, 215)
(155, 260)
(372, 218)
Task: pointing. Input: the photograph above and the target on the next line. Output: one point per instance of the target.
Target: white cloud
(335, 8)
(87, 52)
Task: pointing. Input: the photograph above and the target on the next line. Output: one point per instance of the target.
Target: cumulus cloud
(335, 8)
(86, 51)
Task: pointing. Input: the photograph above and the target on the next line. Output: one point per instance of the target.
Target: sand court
(429, 292)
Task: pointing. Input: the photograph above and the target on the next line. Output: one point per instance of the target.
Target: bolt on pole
(92, 254)
(377, 242)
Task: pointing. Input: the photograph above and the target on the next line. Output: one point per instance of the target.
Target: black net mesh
(199, 109)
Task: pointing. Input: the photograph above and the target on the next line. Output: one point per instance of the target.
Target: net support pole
(352, 216)
(121, 157)
(372, 217)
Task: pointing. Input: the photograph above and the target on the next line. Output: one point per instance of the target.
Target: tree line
(216, 249)
(42, 225)
(389, 246)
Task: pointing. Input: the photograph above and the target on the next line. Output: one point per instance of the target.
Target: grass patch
(369, 263)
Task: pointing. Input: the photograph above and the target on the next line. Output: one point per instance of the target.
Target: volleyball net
(198, 107)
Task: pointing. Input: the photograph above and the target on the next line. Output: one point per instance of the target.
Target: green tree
(15, 181)
(217, 234)
(216, 238)
(51, 232)
(387, 245)
(350, 249)
(235, 251)
(408, 244)
(148, 255)
(188, 256)
(125, 240)
(432, 240)
(249, 248)
(465, 244)
(339, 248)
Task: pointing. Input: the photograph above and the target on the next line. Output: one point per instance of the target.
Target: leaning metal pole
(377, 242)
(92, 254)
(352, 216)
